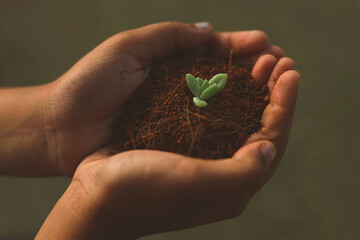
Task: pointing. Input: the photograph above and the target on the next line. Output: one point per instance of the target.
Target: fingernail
(268, 151)
(202, 25)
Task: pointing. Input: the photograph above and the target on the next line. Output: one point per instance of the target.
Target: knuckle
(123, 38)
(269, 133)
(170, 26)
(120, 42)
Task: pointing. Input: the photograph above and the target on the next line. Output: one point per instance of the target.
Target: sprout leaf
(204, 86)
(204, 89)
(193, 85)
(199, 103)
(209, 92)
(199, 81)
(220, 80)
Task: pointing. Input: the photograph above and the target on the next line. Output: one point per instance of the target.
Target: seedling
(204, 89)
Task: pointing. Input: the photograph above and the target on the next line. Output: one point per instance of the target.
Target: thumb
(248, 166)
(259, 154)
(158, 40)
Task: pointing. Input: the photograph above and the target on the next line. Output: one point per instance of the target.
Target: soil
(162, 116)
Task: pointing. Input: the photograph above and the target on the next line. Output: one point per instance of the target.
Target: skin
(60, 129)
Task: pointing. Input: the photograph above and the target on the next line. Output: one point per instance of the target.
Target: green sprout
(204, 89)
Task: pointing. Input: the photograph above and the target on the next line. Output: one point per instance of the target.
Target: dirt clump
(161, 114)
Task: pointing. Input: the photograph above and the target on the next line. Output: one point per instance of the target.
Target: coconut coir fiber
(161, 115)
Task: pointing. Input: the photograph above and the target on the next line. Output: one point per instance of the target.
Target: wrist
(83, 213)
(23, 140)
(69, 217)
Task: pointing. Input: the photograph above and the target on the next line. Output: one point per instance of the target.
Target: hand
(135, 193)
(84, 102)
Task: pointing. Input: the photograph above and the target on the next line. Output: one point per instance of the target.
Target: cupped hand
(135, 193)
(84, 102)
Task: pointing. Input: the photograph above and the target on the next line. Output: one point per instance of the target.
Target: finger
(263, 68)
(280, 110)
(158, 40)
(283, 65)
(276, 51)
(278, 115)
(243, 43)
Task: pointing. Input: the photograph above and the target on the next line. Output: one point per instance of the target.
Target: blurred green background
(316, 191)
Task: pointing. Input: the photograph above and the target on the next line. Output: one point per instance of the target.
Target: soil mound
(161, 114)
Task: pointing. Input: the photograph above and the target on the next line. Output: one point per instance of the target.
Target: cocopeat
(161, 114)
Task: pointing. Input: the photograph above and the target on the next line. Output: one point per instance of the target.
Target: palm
(156, 191)
(87, 99)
